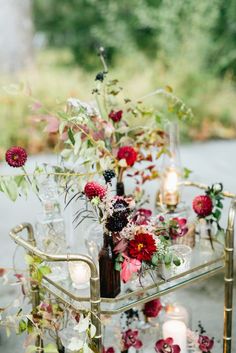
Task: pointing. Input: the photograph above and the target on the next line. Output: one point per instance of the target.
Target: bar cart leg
(35, 295)
(229, 279)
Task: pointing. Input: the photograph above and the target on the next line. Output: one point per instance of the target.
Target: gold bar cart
(123, 302)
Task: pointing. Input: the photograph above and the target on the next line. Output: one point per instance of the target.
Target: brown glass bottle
(120, 188)
(109, 277)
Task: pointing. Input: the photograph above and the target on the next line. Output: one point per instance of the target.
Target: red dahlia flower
(16, 156)
(167, 346)
(116, 116)
(93, 189)
(205, 343)
(202, 205)
(130, 339)
(128, 153)
(152, 308)
(142, 247)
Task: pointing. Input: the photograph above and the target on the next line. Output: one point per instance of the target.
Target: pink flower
(128, 267)
(167, 346)
(142, 216)
(152, 308)
(178, 227)
(121, 246)
(205, 343)
(130, 339)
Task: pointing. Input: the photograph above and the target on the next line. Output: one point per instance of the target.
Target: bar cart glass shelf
(202, 267)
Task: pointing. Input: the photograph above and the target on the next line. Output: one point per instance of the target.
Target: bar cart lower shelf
(81, 300)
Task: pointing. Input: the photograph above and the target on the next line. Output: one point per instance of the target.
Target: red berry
(93, 189)
(203, 205)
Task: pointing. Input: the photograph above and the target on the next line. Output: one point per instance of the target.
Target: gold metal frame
(95, 299)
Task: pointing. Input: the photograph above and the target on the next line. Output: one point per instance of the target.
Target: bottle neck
(120, 189)
(107, 240)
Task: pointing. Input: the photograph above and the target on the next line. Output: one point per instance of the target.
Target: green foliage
(202, 31)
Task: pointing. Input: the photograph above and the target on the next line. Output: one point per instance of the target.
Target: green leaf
(50, 348)
(22, 326)
(186, 173)
(217, 214)
(45, 270)
(117, 266)
(71, 136)
(167, 259)
(176, 261)
(155, 260)
(29, 259)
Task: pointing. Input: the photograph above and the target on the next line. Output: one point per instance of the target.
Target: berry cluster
(109, 175)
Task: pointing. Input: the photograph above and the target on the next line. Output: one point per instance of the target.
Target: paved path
(211, 162)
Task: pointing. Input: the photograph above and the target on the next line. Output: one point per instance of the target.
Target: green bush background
(189, 45)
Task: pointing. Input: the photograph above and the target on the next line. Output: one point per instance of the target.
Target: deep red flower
(130, 339)
(167, 346)
(178, 227)
(142, 247)
(16, 156)
(128, 153)
(152, 308)
(116, 116)
(202, 205)
(205, 343)
(93, 189)
(142, 216)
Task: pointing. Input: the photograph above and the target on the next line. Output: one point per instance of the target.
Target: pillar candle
(178, 331)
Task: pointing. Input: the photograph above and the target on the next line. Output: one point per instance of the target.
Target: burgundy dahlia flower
(202, 205)
(16, 156)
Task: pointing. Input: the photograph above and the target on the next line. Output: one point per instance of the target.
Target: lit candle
(80, 274)
(171, 192)
(178, 331)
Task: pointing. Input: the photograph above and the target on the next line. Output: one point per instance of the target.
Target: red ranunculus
(16, 156)
(202, 205)
(178, 227)
(205, 343)
(116, 116)
(152, 308)
(128, 153)
(167, 346)
(130, 339)
(142, 247)
(142, 216)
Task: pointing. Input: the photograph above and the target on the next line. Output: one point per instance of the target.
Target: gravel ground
(212, 162)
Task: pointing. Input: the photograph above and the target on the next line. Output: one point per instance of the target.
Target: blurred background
(50, 47)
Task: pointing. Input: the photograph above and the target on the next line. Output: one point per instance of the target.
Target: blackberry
(108, 175)
(116, 223)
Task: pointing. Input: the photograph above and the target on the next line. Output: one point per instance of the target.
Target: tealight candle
(80, 274)
(178, 331)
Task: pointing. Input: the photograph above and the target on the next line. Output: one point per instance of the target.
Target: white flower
(83, 324)
(75, 344)
(217, 187)
(77, 104)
